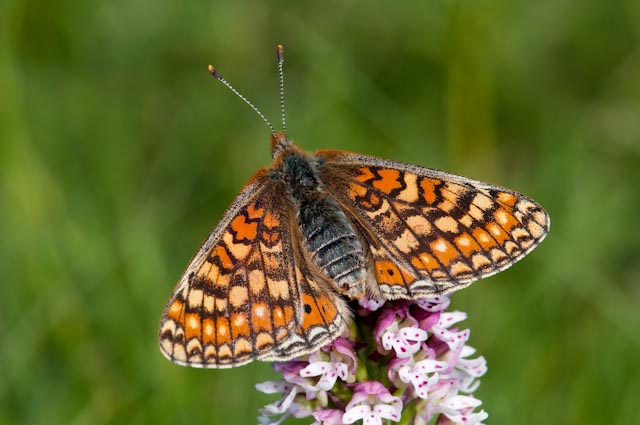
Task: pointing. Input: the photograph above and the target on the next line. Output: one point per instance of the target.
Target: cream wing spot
(208, 303)
(447, 206)
(167, 346)
(541, 218)
(239, 250)
(476, 213)
(221, 305)
(204, 269)
(277, 248)
(419, 224)
(410, 193)
(447, 224)
(281, 334)
(527, 243)
(384, 207)
(406, 242)
(479, 261)
(264, 340)
(210, 352)
(497, 256)
(520, 233)
(168, 326)
(460, 268)
(212, 274)
(179, 353)
(257, 281)
(279, 289)
(224, 351)
(512, 248)
(482, 201)
(455, 189)
(222, 280)
(179, 332)
(439, 274)
(238, 296)
(242, 346)
(194, 344)
(466, 220)
(535, 229)
(195, 298)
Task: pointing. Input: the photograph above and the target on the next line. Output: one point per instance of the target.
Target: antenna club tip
(213, 72)
(280, 51)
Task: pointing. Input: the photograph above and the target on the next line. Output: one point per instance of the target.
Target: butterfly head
(296, 170)
(279, 143)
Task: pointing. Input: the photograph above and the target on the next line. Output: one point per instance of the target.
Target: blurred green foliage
(118, 153)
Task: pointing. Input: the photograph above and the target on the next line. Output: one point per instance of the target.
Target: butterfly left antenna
(219, 77)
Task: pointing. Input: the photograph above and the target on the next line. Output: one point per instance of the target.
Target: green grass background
(118, 153)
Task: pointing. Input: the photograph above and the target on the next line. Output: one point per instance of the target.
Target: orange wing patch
(388, 181)
(444, 251)
(424, 261)
(387, 273)
(466, 244)
(318, 311)
(244, 230)
(428, 187)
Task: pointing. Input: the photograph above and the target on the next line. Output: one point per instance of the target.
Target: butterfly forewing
(234, 301)
(431, 232)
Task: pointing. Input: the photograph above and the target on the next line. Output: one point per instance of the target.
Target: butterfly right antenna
(281, 75)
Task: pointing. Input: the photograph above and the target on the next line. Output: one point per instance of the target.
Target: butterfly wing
(324, 316)
(247, 293)
(431, 232)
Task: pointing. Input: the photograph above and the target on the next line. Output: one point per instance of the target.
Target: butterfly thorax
(328, 237)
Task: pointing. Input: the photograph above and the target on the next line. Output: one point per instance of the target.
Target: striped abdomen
(332, 244)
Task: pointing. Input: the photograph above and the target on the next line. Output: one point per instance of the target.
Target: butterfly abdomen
(332, 244)
(327, 235)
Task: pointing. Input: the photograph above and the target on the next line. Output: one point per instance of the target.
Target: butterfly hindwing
(324, 316)
(431, 232)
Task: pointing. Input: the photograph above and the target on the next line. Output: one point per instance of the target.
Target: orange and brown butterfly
(312, 231)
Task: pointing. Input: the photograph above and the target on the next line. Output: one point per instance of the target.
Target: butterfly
(315, 230)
